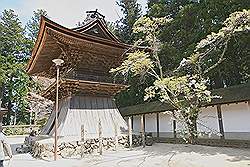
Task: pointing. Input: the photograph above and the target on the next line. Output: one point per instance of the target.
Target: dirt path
(159, 155)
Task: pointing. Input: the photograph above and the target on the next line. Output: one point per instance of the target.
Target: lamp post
(58, 63)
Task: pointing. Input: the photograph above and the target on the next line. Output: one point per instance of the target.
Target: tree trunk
(191, 122)
(192, 130)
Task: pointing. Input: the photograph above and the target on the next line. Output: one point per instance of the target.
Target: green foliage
(15, 131)
(217, 43)
(193, 22)
(137, 63)
(33, 24)
(131, 11)
(163, 8)
(15, 49)
(186, 88)
(12, 37)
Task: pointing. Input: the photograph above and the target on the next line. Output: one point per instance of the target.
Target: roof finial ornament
(93, 14)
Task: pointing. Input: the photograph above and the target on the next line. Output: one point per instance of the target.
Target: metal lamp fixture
(58, 63)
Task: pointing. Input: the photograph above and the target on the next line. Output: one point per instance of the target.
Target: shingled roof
(234, 94)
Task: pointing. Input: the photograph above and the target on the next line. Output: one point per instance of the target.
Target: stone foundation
(209, 142)
(76, 148)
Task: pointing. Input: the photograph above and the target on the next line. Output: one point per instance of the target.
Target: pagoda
(86, 88)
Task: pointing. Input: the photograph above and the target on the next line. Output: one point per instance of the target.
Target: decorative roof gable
(95, 25)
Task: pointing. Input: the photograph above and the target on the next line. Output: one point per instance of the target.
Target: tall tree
(124, 30)
(14, 53)
(169, 8)
(131, 12)
(33, 24)
(185, 89)
(195, 21)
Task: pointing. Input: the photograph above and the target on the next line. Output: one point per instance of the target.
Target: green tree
(33, 25)
(131, 12)
(14, 52)
(186, 87)
(193, 22)
(169, 8)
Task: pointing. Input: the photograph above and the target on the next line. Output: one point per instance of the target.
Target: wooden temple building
(86, 88)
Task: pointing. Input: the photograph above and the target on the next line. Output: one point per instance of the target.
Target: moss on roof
(233, 94)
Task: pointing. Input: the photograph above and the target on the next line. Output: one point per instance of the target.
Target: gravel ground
(159, 155)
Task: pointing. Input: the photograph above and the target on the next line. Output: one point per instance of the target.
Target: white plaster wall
(136, 123)
(150, 122)
(166, 124)
(208, 120)
(208, 123)
(236, 121)
(236, 117)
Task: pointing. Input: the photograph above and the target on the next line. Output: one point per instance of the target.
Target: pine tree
(14, 54)
(33, 24)
(194, 20)
(131, 12)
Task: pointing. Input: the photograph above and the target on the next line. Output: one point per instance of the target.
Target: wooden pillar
(82, 140)
(143, 130)
(144, 122)
(220, 121)
(130, 132)
(132, 122)
(82, 133)
(174, 126)
(116, 136)
(157, 126)
(100, 137)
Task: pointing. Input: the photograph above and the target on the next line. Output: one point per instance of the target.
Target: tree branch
(221, 59)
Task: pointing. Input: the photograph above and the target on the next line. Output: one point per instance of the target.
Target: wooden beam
(157, 126)
(220, 122)
(143, 130)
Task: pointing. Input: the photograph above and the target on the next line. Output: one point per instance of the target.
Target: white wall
(166, 124)
(236, 120)
(236, 117)
(136, 123)
(150, 123)
(208, 121)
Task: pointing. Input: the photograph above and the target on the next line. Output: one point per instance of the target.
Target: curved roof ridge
(46, 24)
(101, 23)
